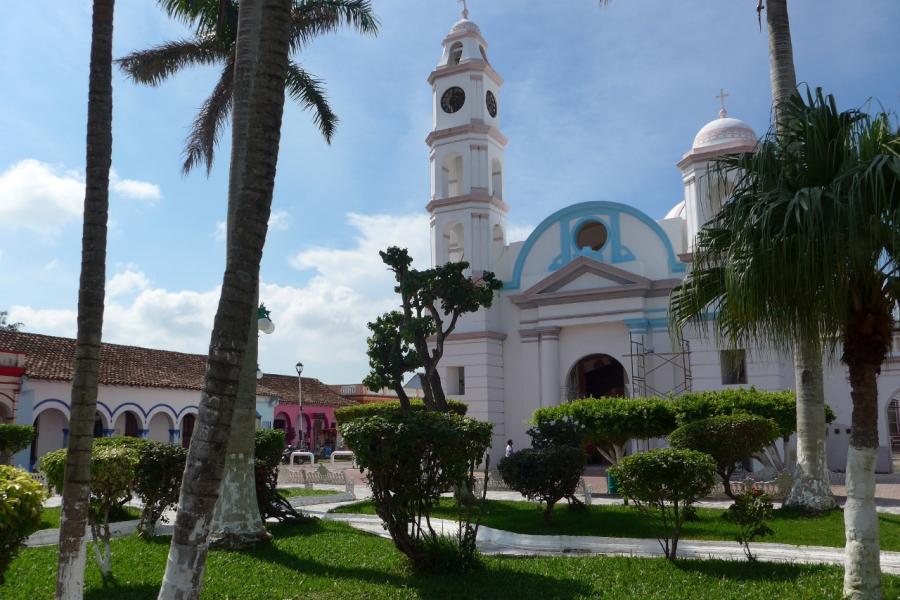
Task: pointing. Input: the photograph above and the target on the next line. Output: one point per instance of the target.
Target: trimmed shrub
(665, 483)
(608, 423)
(349, 413)
(14, 438)
(750, 512)
(729, 439)
(21, 503)
(157, 479)
(410, 459)
(268, 449)
(547, 474)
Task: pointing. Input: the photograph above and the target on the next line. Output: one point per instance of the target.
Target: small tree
(157, 481)
(14, 438)
(610, 423)
(665, 483)
(431, 304)
(268, 448)
(729, 439)
(5, 325)
(750, 511)
(547, 475)
(21, 503)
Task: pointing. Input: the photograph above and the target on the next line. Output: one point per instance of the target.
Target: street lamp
(264, 319)
(302, 423)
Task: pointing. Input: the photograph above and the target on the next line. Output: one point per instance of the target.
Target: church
(583, 311)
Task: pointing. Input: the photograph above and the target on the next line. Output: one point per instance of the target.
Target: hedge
(349, 413)
(21, 504)
(14, 438)
(547, 474)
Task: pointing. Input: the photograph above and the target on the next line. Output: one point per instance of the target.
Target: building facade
(583, 311)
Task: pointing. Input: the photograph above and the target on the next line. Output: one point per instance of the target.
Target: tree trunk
(811, 490)
(262, 47)
(781, 54)
(236, 522)
(91, 292)
(862, 573)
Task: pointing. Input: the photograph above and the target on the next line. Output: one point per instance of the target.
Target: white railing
(309, 455)
(349, 453)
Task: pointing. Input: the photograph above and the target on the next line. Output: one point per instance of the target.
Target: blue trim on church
(613, 252)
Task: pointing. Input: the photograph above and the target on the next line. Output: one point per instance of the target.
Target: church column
(531, 362)
(550, 384)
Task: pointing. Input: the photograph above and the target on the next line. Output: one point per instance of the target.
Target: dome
(677, 211)
(464, 25)
(724, 130)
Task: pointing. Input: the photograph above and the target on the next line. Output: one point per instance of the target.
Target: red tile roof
(51, 358)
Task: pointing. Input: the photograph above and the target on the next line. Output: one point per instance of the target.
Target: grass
(293, 492)
(50, 516)
(625, 521)
(331, 561)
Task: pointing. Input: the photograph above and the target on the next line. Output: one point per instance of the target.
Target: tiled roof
(315, 393)
(51, 358)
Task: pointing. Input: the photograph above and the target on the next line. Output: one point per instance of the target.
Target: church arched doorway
(596, 376)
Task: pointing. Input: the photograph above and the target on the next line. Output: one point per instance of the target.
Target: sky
(599, 103)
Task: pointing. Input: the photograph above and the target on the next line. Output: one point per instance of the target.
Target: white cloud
(322, 323)
(129, 280)
(220, 231)
(518, 233)
(280, 220)
(52, 265)
(134, 189)
(44, 198)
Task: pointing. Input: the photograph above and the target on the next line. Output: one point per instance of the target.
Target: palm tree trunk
(811, 489)
(262, 47)
(781, 54)
(862, 572)
(91, 292)
(236, 522)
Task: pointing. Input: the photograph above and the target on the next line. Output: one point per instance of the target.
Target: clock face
(491, 102)
(453, 99)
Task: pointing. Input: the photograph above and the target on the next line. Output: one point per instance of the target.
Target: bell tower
(467, 205)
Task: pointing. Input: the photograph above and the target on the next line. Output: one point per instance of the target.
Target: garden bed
(331, 561)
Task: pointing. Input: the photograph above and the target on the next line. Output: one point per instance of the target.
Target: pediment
(585, 279)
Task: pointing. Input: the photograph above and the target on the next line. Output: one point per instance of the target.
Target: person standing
(509, 448)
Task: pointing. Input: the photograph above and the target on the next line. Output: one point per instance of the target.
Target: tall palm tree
(260, 71)
(214, 44)
(808, 247)
(91, 293)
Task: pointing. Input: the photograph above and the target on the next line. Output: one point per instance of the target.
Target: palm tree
(91, 293)
(214, 44)
(808, 247)
(260, 71)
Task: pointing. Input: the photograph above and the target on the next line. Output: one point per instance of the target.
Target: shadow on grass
(749, 571)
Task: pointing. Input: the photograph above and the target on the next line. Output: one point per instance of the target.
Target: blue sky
(599, 103)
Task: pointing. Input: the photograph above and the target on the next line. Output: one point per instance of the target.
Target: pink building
(319, 402)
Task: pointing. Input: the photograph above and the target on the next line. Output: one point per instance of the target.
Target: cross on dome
(721, 98)
(465, 11)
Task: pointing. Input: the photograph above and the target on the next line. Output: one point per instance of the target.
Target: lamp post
(302, 423)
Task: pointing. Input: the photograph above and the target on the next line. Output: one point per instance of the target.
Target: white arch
(52, 428)
(120, 425)
(159, 426)
(454, 242)
(6, 410)
(452, 176)
(497, 178)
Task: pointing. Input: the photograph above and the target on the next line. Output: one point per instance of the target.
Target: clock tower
(467, 205)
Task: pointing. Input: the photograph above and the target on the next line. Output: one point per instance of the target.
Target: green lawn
(50, 516)
(625, 521)
(331, 561)
(292, 492)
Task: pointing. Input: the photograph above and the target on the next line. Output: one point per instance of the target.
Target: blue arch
(34, 410)
(137, 406)
(106, 408)
(171, 411)
(586, 210)
(183, 410)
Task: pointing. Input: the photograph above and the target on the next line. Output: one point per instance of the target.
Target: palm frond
(312, 18)
(155, 65)
(310, 93)
(206, 16)
(204, 136)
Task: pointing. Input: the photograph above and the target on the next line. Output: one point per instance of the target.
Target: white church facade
(583, 311)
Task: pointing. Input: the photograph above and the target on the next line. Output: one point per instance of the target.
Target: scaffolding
(645, 362)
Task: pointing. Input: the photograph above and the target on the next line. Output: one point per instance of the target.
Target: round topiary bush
(729, 439)
(547, 474)
(21, 503)
(14, 438)
(664, 483)
(157, 480)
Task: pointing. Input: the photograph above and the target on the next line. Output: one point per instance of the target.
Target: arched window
(497, 179)
(591, 235)
(452, 176)
(456, 53)
(455, 240)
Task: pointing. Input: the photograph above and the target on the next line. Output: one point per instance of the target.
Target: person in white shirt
(509, 448)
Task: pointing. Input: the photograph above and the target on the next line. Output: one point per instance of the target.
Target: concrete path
(507, 543)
